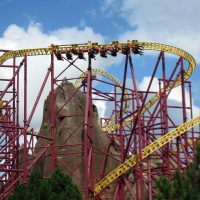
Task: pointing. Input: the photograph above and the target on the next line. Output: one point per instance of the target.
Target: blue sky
(38, 23)
(62, 13)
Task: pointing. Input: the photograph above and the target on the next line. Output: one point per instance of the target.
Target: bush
(59, 186)
(182, 187)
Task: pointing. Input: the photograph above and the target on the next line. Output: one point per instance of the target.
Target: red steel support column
(191, 116)
(91, 150)
(25, 122)
(164, 117)
(14, 122)
(17, 122)
(121, 181)
(149, 173)
(52, 115)
(149, 169)
(139, 123)
(184, 110)
(86, 130)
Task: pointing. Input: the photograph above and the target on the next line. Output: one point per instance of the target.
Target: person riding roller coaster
(137, 49)
(92, 52)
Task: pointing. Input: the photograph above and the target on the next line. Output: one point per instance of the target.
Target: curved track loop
(119, 47)
(121, 169)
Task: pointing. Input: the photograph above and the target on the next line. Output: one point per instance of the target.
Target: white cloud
(16, 37)
(101, 106)
(174, 98)
(169, 21)
(176, 95)
(196, 111)
(143, 85)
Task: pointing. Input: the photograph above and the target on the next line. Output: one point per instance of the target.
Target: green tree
(59, 186)
(185, 186)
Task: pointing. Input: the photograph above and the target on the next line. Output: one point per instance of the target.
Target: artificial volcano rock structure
(69, 137)
(69, 149)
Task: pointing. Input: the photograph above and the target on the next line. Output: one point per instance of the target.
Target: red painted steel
(146, 128)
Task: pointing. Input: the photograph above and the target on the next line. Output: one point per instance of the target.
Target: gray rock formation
(69, 137)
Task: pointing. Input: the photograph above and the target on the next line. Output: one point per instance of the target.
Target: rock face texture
(69, 134)
(69, 108)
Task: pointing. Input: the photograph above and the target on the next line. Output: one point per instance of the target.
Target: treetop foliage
(59, 186)
(183, 186)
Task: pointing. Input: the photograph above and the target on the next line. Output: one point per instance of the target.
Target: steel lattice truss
(139, 124)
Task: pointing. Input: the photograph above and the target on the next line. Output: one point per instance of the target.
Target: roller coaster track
(129, 163)
(75, 48)
(133, 160)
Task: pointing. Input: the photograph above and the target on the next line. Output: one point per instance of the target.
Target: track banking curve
(133, 160)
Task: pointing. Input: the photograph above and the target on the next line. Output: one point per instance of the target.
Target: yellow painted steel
(187, 73)
(99, 72)
(148, 46)
(119, 46)
(121, 169)
(1, 104)
(133, 160)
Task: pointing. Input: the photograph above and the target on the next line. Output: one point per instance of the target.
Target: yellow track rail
(187, 74)
(129, 163)
(146, 46)
(119, 46)
(121, 169)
